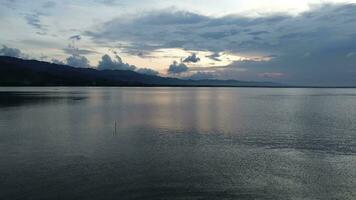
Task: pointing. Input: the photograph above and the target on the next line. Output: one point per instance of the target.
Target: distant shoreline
(181, 86)
(15, 72)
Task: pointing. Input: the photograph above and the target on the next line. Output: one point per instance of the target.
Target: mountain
(19, 72)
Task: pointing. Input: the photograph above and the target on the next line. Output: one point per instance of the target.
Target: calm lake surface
(177, 143)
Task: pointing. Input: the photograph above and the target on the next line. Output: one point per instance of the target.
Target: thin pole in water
(115, 129)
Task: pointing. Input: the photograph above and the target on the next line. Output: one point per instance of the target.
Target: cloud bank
(314, 47)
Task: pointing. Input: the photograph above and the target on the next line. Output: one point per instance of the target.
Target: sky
(300, 42)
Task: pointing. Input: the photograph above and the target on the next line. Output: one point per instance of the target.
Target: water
(177, 143)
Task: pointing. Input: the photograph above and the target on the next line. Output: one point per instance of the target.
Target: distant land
(20, 72)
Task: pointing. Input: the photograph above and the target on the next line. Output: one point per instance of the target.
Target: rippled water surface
(177, 143)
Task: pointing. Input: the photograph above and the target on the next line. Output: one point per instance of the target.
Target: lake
(177, 143)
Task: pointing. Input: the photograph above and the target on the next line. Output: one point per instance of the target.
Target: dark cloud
(153, 28)
(215, 56)
(140, 50)
(78, 61)
(325, 68)
(230, 33)
(34, 21)
(179, 29)
(202, 76)
(192, 58)
(107, 63)
(12, 52)
(177, 68)
(314, 47)
(255, 33)
(75, 37)
(147, 71)
(271, 74)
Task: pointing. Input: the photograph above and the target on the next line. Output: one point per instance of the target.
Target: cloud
(256, 33)
(351, 55)
(75, 37)
(147, 71)
(202, 76)
(177, 68)
(271, 74)
(78, 61)
(34, 21)
(313, 47)
(11, 4)
(193, 31)
(11, 52)
(153, 29)
(309, 47)
(58, 62)
(72, 50)
(182, 29)
(106, 63)
(192, 58)
(215, 56)
(112, 2)
(49, 4)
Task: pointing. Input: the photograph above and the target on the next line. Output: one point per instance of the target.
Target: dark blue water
(177, 143)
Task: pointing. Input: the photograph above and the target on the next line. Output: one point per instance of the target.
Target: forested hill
(19, 72)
